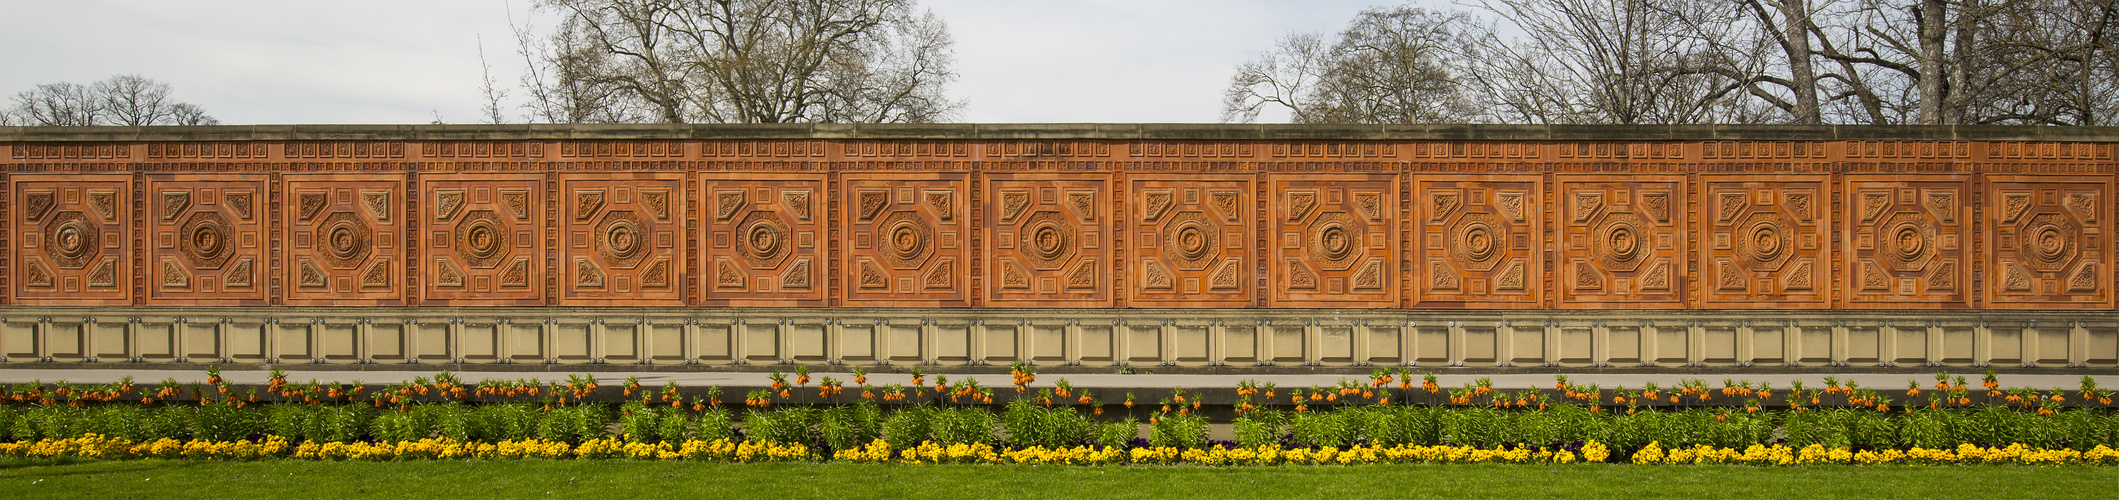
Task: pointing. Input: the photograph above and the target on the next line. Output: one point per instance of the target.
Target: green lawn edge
(156, 478)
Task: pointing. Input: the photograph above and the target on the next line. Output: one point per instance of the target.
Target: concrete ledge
(1093, 131)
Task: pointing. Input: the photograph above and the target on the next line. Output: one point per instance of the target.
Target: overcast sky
(389, 61)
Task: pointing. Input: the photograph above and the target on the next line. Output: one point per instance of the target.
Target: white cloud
(396, 61)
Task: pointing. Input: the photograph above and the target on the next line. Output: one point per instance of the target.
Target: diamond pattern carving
(484, 247)
(2048, 244)
(72, 245)
(1189, 234)
(1335, 244)
(913, 248)
(624, 239)
(1768, 243)
(1482, 243)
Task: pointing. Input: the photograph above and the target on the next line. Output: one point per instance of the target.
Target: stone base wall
(1051, 337)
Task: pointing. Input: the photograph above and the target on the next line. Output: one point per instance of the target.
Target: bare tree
(1387, 66)
(1599, 61)
(1745, 61)
(2057, 64)
(1285, 76)
(560, 75)
(750, 61)
(133, 100)
(493, 94)
(124, 100)
(185, 113)
(60, 104)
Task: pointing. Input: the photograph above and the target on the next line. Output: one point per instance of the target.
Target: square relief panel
(1765, 242)
(907, 240)
(1191, 238)
(207, 238)
(346, 237)
(484, 239)
(72, 239)
(765, 240)
(1049, 241)
(1622, 242)
(1335, 241)
(623, 238)
(1906, 243)
(2048, 242)
(1482, 242)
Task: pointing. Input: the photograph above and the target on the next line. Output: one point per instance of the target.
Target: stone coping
(1037, 131)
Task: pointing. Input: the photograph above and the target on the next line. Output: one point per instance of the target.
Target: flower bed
(97, 446)
(1351, 423)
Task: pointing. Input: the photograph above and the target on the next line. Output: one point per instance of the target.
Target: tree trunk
(1933, 28)
(1795, 30)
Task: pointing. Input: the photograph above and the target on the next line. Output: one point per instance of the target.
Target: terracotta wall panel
(1049, 240)
(346, 239)
(1765, 242)
(1623, 241)
(1335, 241)
(74, 241)
(207, 239)
(1482, 241)
(1018, 217)
(2049, 242)
(1906, 239)
(624, 239)
(1191, 240)
(907, 240)
(482, 239)
(765, 240)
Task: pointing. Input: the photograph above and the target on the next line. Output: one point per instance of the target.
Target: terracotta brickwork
(1062, 218)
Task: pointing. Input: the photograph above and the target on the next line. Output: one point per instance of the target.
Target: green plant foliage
(909, 425)
(786, 425)
(713, 424)
(1031, 424)
(852, 425)
(964, 426)
(1118, 434)
(1177, 430)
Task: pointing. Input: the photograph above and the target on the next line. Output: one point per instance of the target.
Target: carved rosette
(345, 235)
(908, 240)
(1622, 242)
(765, 240)
(482, 234)
(623, 239)
(71, 239)
(1765, 243)
(1048, 241)
(1190, 238)
(1336, 241)
(208, 235)
(1907, 242)
(1483, 243)
(2051, 243)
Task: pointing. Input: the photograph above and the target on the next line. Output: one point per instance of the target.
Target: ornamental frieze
(1084, 217)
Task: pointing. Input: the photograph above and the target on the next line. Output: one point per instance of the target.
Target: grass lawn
(20, 478)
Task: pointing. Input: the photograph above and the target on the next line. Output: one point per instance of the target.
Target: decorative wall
(1090, 217)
